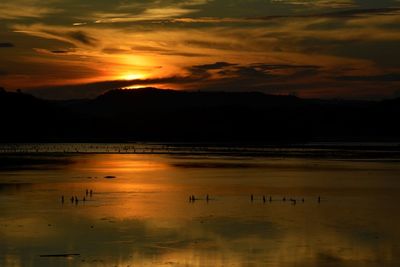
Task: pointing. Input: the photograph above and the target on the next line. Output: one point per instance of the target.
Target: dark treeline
(177, 116)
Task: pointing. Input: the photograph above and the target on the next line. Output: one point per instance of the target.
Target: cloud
(162, 51)
(293, 44)
(82, 37)
(305, 80)
(166, 12)
(390, 77)
(6, 45)
(151, 11)
(113, 50)
(259, 71)
(19, 9)
(79, 23)
(60, 52)
(177, 15)
(213, 66)
(92, 90)
(55, 52)
(318, 3)
(342, 14)
(59, 33)
(363, 12)
(218, 75)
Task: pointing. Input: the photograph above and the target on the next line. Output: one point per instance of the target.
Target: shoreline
(371, 151)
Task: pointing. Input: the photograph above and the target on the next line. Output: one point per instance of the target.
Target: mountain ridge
(151, 114)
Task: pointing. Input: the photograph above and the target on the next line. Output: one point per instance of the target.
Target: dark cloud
(60, 51)
(226, 76)
(213, 66)
(390, 77)
(269, 78)
(183, 54)
(203, 70)
(261, 71)
(283, 66)
(361, 12)
(250, 72)
(82, 37)
(6, 45)
(55, 52)
(146, 48)
(351, 13)
(72, 36)
(214, 45)
(263, 77)
(111, 50)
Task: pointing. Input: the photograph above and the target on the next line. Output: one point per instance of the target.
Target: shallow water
(143, 216)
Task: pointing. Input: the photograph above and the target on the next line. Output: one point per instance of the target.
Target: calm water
(143, 216)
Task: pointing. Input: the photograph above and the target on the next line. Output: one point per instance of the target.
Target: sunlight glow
(132, 87)
(132, 76)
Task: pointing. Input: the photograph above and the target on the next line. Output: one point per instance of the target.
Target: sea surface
(323, 207)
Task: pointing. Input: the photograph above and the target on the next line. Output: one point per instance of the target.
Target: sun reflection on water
(142, 216)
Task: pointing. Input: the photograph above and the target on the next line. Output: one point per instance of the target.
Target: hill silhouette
(151, 114)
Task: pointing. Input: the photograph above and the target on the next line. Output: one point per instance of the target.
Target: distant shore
(340, 150)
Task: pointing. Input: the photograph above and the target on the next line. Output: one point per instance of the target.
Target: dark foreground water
(141, 214)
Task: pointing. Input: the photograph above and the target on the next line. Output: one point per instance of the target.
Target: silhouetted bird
(251, 197)
(72, 199)
(319, 199)
(302, 200)
(91, 192)
(84, 199)
(207, 198)
(284, 199)
(87, 192)
(62, 199)
(264, 199)
(270, 199)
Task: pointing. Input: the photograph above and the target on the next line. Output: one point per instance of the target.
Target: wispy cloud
(151, 11)
(63, 34)
(389, 77)
(19, 9)
(319, 3)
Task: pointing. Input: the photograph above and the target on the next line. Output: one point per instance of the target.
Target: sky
(347, 49)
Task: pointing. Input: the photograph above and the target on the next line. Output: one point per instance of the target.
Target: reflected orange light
(115, 163)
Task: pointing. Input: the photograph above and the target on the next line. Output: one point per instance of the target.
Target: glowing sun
(132, 76)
